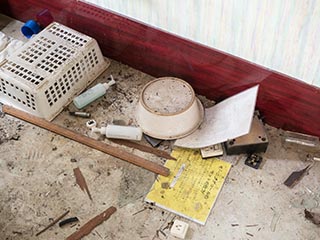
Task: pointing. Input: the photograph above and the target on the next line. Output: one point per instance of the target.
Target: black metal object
(80, 114)
(154, 142)
(68, 221)
(253, 161)
(254, 142)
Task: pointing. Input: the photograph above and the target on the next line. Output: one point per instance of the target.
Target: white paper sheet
(229, 119)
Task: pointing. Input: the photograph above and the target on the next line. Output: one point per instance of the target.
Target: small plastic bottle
(121, 132)
(116, 131)
(92, 94)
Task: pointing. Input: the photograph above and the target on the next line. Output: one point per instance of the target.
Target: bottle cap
(29, 28)
(110, 83)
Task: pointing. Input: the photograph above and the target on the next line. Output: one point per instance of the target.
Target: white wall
(283, 35)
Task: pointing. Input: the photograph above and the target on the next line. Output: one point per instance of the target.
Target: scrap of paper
(229, 119)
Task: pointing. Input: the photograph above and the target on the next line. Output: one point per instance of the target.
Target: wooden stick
(90, 142)
(143, 148)
(53, 223)
(89, 226)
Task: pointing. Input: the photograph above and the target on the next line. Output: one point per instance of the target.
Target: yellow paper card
(192, 187)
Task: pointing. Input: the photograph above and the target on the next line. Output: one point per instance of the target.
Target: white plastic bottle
(122, 132)
(116, 131)
(92, 94)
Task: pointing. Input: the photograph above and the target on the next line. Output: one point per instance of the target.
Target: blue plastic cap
(29, 28)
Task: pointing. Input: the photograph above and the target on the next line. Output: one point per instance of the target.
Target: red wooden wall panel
(285, 102)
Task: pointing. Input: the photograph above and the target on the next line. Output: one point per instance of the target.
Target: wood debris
(250, 234)
(81, 181)
(252, 225)
(313, 217)
(295, 177)
(53, 223)
(145, 208)
(94, 222)
(90, 142)
(143, 148)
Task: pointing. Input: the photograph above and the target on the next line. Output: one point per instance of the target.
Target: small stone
(15, 137)
(19, 127)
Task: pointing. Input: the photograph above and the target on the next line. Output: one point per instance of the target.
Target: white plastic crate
(44, 75)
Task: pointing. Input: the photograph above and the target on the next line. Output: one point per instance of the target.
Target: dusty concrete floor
(37, 182)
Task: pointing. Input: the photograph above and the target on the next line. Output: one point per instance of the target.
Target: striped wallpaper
(283, 35)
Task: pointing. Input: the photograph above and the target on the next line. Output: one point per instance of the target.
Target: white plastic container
(116, 131)
(92, 94)
(169, 109)
(123, 132)
(44, 75)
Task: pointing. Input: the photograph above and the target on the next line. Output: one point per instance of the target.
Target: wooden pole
(143, 148)
(90, 142)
